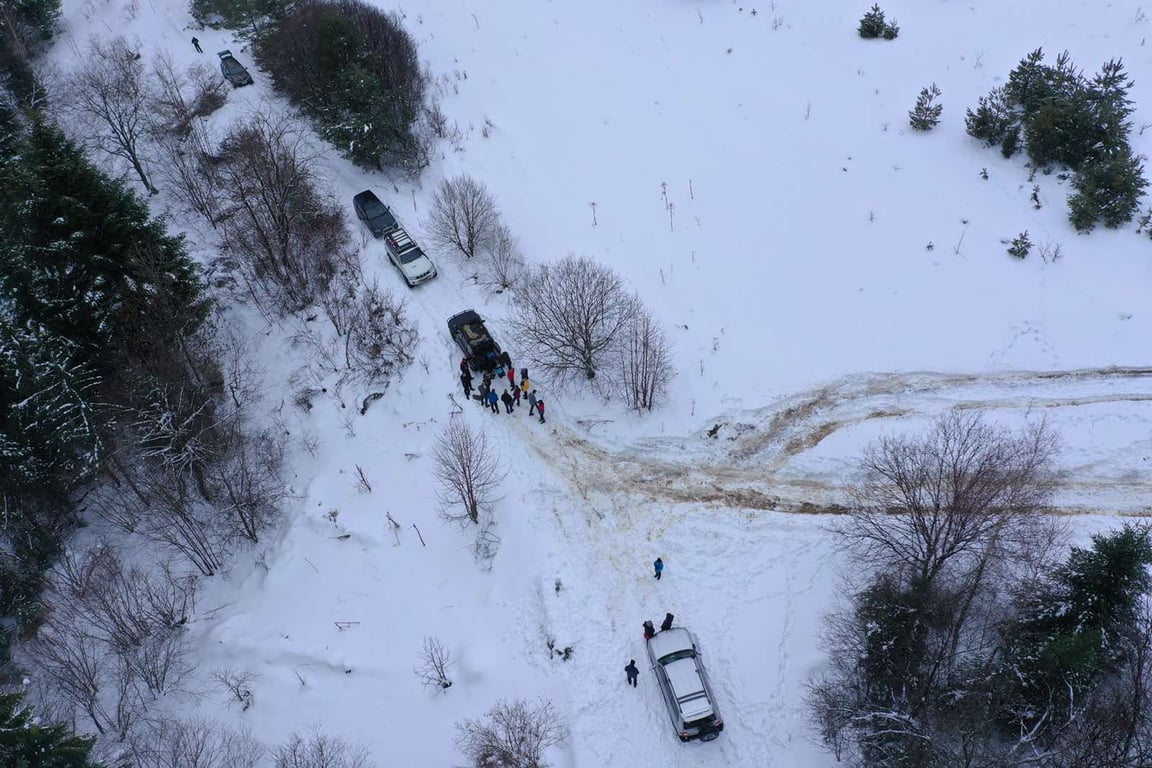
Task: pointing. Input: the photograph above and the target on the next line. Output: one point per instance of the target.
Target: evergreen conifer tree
(26, 744)
(81, 257)
(49, 427)
(926, 114)
(1108, 189)
(872, 24)
(992, 118)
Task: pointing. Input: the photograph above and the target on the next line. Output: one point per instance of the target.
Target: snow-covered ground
(749, 170)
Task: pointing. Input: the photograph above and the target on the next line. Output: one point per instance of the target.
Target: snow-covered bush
(513, 735)
(320, 750)
(644, 360)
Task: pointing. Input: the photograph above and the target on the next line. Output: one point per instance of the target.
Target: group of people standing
(649, 632)
(513, 393)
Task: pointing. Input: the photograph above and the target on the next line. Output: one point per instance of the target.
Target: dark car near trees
(233, 71)
(377, 216)
(484, 354)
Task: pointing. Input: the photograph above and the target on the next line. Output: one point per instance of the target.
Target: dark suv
(684, 684)
(233, 70)
(377, 216)
(470, 334)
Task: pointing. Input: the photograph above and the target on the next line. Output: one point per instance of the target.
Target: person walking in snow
(196, 45)
(632, 672)
(466, 382)
(667, 623)
(507, 400)
(524, 387)
(649, 630)
(516, 396)
(540, 407)
(658, 566)
(532, 402)
(493, 401)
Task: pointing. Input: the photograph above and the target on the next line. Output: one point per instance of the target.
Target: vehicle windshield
(411, 255)
(233, 66)
(687, 653)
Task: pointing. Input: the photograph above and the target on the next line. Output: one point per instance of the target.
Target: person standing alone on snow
(632, 672)
(658, 566)
(196, 45)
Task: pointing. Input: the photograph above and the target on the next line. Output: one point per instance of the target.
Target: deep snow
(793, 272)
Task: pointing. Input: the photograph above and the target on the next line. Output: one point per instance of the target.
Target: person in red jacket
(511, 377)
(540, 407)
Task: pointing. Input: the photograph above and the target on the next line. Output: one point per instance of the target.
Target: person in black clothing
(649, 630)
(464, 366)
(466, 382)
(667, 623)
(632, 672)
(196, 45)
(506, 398)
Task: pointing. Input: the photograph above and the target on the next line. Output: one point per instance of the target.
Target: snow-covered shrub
(199, 743)
(320, 750)
(381, 340)
(501, 264)
(512, 735)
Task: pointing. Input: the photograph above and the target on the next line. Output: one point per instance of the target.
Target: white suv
(407, 257)
(684, 683)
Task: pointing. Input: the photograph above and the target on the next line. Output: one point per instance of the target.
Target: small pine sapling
(1036, 196)
(926, 114)
(984, 174)
(992, 118)
(1021, 245)
(891, 30)
(872, 24)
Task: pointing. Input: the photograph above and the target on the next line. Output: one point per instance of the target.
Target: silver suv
(684, 684)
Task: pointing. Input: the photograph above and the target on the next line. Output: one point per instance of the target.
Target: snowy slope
(808, 315)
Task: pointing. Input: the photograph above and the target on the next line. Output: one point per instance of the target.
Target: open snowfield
(753, 177)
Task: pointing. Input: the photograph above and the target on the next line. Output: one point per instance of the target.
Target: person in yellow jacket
(524, 387)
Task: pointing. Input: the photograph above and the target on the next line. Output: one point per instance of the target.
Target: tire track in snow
(754, 466)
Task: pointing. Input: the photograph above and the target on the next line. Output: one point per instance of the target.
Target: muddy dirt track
(754, 459)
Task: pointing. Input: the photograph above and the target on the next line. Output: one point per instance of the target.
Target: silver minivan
(684, 684)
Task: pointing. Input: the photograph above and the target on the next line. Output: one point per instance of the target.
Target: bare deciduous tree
(512, 735)
(321, 751)
(186, 170)
(645, 362)
(171, 743)
(502, 265)
(380, 339)
(289, 238)
(960, 497)
(109, 96)
(177, 98)
(238, 683)
(435, 660)
(464, 216)
(468, 471)
(570, 315)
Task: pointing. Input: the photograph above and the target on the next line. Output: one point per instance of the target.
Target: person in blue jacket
(659, 567)
(493, 401)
